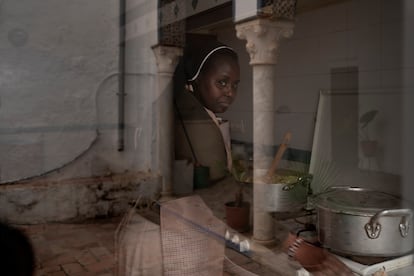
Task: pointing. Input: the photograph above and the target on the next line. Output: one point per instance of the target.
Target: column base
(166, 197)
(271, 242)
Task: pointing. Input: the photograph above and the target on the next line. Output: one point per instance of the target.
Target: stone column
(263, 37)
(167, 58)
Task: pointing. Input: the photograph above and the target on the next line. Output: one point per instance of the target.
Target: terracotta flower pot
(308, 255)
(369, 148)
(314, 258)
(238, 217)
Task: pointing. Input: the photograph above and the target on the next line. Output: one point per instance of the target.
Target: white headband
(205, 59)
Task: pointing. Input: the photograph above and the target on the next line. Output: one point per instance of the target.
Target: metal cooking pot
(282, 197)
(361, 222)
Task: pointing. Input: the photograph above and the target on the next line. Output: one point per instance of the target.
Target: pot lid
(356, 200)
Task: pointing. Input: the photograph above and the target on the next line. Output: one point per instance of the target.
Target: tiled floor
(83, 249)
(87, 249)
(74, 249)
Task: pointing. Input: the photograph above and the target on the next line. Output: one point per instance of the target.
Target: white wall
(58, 81)
(365, 34)
(59, 84)
(408, 100)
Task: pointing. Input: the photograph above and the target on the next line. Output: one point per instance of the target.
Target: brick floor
(74, 249)
(84, 249)
(87, 249)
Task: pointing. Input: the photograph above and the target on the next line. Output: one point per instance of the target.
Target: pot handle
(373, 227)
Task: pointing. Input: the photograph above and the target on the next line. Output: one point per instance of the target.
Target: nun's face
(217, 84)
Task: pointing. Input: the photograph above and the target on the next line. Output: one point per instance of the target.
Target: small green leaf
(367, 117)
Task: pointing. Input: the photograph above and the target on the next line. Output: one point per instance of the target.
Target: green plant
(240, 173)
(365, 121)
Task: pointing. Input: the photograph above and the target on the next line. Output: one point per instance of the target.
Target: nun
(205, 85)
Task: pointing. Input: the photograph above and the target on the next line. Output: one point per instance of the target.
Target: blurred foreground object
(16, 252)
(188, 240)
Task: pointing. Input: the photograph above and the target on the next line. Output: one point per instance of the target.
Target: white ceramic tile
(407, 55)
(321, 21)
(367, 44)
(391, 10)
(364, 13)
(369, 79)
(391, 45)
(337, 51)
(391, 78)
(408, 80)
(299, 57)
(386, 127)
(336, 36)
(408, 31)
(301, 125)
(300, 93)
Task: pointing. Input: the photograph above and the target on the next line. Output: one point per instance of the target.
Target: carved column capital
(263, 37)
(167, 58)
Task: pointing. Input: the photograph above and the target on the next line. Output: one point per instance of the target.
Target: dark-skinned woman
(205, 84)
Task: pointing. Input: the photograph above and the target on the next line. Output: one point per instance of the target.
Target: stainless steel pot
(282, 197)
(361, 222)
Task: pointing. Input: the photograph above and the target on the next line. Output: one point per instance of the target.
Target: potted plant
(238, 210)
(368, 145)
